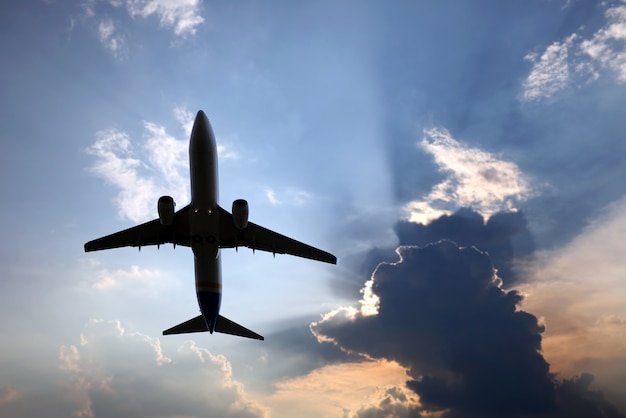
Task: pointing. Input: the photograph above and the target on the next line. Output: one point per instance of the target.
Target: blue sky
(357, 127)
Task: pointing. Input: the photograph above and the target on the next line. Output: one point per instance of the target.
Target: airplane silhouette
(206, 227)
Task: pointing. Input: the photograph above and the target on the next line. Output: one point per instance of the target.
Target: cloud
(474, 178)
(112, 372)
(577, 400)
(167, 155)
(111, 279)
(469, 349)
(139, 186)
(7, 394)
(550, 72)
(224, 151)
(444, 316)
(185, 117)
(110, 39)
(580, 292)
(271, 197)
(115, 164)
(349, 389)
(183, 16)
(606, 46)
(289, 195)
(579, 56)
(390, 401)
(504, 236)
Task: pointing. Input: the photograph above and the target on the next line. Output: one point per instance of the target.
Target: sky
(462, 159)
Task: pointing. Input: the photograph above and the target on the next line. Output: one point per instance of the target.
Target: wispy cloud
(141, 183)
(182, 16)
(579, 59)
(138, 194)
(109, 37)
(186, 118)
(167, 154)
(109, 279)
(607, 46)
(474, 178)
(550, 72)
(288, 195)
(271, 197)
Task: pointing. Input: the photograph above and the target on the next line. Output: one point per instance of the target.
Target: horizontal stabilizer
(223, 325)
(226, 326)
(196, 324)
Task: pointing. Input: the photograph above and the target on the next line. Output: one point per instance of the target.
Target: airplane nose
(202, 137)
(201, 116)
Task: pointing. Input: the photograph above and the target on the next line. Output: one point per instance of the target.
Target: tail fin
(223, 325)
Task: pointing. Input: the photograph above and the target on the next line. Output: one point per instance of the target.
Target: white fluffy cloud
(112, 372)
(474, 178)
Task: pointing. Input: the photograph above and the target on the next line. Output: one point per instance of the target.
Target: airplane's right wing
(258, 238)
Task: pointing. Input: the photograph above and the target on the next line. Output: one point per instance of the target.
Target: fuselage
(204, 219)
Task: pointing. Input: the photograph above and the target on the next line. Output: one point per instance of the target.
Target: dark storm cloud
(576, 400)
(442, 314)
(470, 350)
(505, 236)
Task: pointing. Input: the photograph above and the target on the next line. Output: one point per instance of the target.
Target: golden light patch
(342, 390)
(579, 292)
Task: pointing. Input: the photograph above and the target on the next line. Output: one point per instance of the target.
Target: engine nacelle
(240, 213)
(166, 210)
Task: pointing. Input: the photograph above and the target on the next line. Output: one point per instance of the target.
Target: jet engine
(166, 210)
(240, 213)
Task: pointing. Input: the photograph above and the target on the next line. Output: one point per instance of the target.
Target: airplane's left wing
(258, 238)
(149, 233)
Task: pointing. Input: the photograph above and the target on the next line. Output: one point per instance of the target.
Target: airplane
(206, 227)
